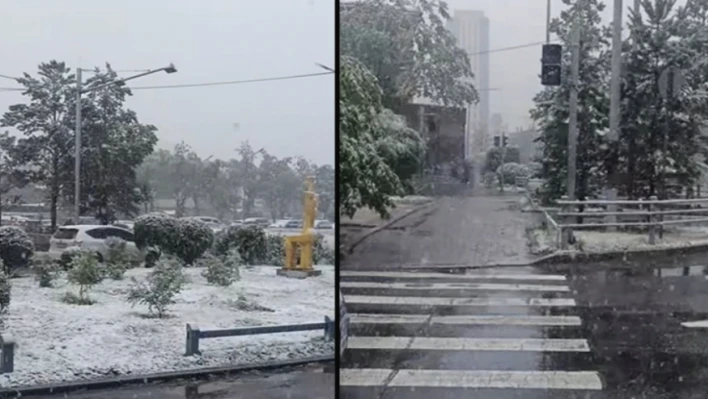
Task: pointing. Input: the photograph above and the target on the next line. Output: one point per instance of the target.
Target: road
(517, 332)
(303, 383)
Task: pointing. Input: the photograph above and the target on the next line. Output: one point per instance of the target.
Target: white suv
(92, 238)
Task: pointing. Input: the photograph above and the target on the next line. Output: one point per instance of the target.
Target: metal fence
(194, 333)
(650, 215)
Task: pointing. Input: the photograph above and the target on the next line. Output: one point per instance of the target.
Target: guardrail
(194, 334)
(7, 355)
(652, 214)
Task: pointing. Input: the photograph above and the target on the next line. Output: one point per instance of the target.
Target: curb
(114, 382)
(388, 223)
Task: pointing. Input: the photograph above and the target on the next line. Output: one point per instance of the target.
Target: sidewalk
(455, 230)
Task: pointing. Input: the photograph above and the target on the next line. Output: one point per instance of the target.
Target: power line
(517, 47)
(233, 82)
(8, 77)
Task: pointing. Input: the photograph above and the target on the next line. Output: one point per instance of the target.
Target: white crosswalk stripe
(521, 301)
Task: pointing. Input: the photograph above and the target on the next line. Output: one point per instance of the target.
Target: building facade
(471, 28)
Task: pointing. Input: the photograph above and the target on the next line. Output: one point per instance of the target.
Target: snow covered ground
(61, 342)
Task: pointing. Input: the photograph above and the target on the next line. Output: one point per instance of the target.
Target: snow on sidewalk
(61, 342)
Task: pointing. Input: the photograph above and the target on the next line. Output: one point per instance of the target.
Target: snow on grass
(61, 342)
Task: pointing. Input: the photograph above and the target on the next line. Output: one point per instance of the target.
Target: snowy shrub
(157, 230)
(84, 272)
(321, 253)
(275, 250)
(5, 289)
(16, 248)
(67, 257)
(163, 283)
(511, 171)
(194, 239)
(222, 271)
(152, 255)
(116, 261)
(249, 241)
(45, 273)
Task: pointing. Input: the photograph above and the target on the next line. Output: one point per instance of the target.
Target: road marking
(426, 301)
(696, 324)
(469, 344)
(587, 380)
(497, 320)
(529, 277)
(455, 286)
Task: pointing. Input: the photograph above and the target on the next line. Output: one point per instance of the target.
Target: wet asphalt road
(522, 332)
(308, 382)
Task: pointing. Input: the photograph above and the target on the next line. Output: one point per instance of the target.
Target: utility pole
(615, 115)
(77, 150)
(548, 21)
(573, 122)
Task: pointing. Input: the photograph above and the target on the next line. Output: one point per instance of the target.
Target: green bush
(511, 171)
(163, 283)
(157, 230)
(5, 290)
(321, 253)
(152, 255)
(275, 250)
(194, 239)
(45, 273)
(222, 271)
(84, 272)
(249, 241)
(67, 257)
(16, 248)
(117, 261)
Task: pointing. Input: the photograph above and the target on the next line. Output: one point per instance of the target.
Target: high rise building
(471, 28)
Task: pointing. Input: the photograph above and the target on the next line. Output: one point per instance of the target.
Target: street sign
(671, 81)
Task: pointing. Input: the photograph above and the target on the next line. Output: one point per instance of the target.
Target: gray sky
(515, 72)
(208, 41)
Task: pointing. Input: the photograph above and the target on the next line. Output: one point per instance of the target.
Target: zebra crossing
(485, 334)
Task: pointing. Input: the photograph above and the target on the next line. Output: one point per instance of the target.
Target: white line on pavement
(696, 324)
(588, 380)
(469, 344)
(479, 276)
(498, 320)
(455, 286)
(426, 301)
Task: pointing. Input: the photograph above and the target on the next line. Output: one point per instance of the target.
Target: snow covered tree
(44, 122)
(407, 46)
(660, 137)
(551, 112)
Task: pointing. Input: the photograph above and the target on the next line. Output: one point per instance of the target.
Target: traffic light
(551, 58)
(505, 141)
(496, 141)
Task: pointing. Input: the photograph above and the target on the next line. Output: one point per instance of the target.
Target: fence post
(7, 358)
(329, 329)
(564, 231)
(192, 347)
(652, 227)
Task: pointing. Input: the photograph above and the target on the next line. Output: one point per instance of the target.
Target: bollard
(652, 227)
(329, 329)
(565, 231)
(7, 358)
(192, 347)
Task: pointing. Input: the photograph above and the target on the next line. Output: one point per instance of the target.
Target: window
(65, 234)
(98, 233)
(120, 233)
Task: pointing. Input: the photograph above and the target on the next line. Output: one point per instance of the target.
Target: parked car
(213, 223)
(92, 238)
(343, 326)
(127, 224)
(323, 225)
(262, 222)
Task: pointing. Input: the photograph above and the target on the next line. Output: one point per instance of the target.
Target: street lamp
(77, 144)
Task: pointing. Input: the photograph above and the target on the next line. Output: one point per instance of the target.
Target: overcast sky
(208, 41)
(515, 72)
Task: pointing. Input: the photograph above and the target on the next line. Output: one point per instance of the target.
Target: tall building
(471, 28)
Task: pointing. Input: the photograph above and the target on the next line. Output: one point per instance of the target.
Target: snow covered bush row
(188, 239)
(250, 242)
(16, 248)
